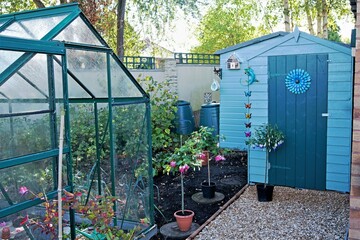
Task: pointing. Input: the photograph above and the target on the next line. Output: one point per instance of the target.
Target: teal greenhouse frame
(53, 62)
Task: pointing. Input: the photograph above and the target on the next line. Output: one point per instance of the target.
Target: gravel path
(293, 214)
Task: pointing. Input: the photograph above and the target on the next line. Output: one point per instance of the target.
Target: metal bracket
(218, 72)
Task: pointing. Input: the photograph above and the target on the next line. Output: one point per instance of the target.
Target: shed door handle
(325, 114)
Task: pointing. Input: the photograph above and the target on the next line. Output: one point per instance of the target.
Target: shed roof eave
(251, 42)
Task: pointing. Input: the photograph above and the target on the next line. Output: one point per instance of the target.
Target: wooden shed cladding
(257, 54)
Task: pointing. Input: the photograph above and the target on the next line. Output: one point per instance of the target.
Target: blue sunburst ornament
(298, 81)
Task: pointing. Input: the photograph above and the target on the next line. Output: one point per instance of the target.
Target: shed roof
(283, 37)
(251, 42)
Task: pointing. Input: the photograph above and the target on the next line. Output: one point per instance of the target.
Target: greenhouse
(54, 65)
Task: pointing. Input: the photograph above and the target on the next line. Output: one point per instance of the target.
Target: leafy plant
(268, 138)
(163, 109)
(184, 158)
(99, 211)
(207, 141)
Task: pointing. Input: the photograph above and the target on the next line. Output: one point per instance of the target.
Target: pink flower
(172, 164)
(23, 190)
(184, 168)
(3, 224)
(202, 156)
(219, 158)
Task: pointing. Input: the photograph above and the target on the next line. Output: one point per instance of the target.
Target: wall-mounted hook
(218, 72)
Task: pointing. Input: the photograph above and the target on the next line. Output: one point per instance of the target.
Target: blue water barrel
(184, 120)
(209, 116)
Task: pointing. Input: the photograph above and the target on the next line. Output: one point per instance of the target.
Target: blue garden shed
(303, 84)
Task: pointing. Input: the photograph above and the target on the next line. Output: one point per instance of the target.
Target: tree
(226, 24)
(286, 16)
(157, 13)
(318, 13)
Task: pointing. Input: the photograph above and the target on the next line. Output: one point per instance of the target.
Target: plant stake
(182, 193)
(61, 139)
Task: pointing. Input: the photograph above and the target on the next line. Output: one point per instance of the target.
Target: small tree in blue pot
(267, 137)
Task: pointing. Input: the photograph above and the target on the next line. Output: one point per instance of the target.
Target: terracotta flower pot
(184, 219)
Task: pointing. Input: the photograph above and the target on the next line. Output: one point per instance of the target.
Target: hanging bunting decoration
(247, 105)
(298, 81)
(248, 134)
(248, 125)
(247, 93)
(248, 115)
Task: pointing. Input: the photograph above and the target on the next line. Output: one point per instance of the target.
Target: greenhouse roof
(93, 70)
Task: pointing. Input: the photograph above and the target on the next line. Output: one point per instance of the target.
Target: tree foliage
(231, 22)
(226, 24)
(319, 17)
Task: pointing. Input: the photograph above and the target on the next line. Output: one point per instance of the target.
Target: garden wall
(191, 81)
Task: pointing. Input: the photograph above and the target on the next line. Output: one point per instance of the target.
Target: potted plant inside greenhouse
(268, 138)
(184, 158)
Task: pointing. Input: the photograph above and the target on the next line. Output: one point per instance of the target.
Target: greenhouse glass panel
(35, 72)
(7, 58)
(74, 89)
(83, 136)
(25, 135)
(78, 32)
(58, 77)
(18, 88)
(26, 84)
(90, 69)
(35, 28)
(35, 177)
(85, 152)
(121, 84)
(131, 163)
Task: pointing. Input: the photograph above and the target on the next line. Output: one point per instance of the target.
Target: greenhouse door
(302, 116)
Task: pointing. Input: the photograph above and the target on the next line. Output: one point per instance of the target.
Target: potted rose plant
(268, 138)
(183, 158)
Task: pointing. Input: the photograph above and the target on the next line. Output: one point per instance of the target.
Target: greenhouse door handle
(325, 114)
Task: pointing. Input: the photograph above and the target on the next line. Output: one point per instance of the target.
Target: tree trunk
(120, 28)
(286, 16)
(319, 18)
(39, 4)
(325, 19)
(309, 18)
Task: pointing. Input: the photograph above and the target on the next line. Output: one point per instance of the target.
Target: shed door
(301, 161)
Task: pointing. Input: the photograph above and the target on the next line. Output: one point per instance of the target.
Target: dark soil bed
(230, 176)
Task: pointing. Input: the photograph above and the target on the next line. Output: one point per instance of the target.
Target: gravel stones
(293, 214)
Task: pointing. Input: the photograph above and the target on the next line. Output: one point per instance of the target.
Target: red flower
(25, 219)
